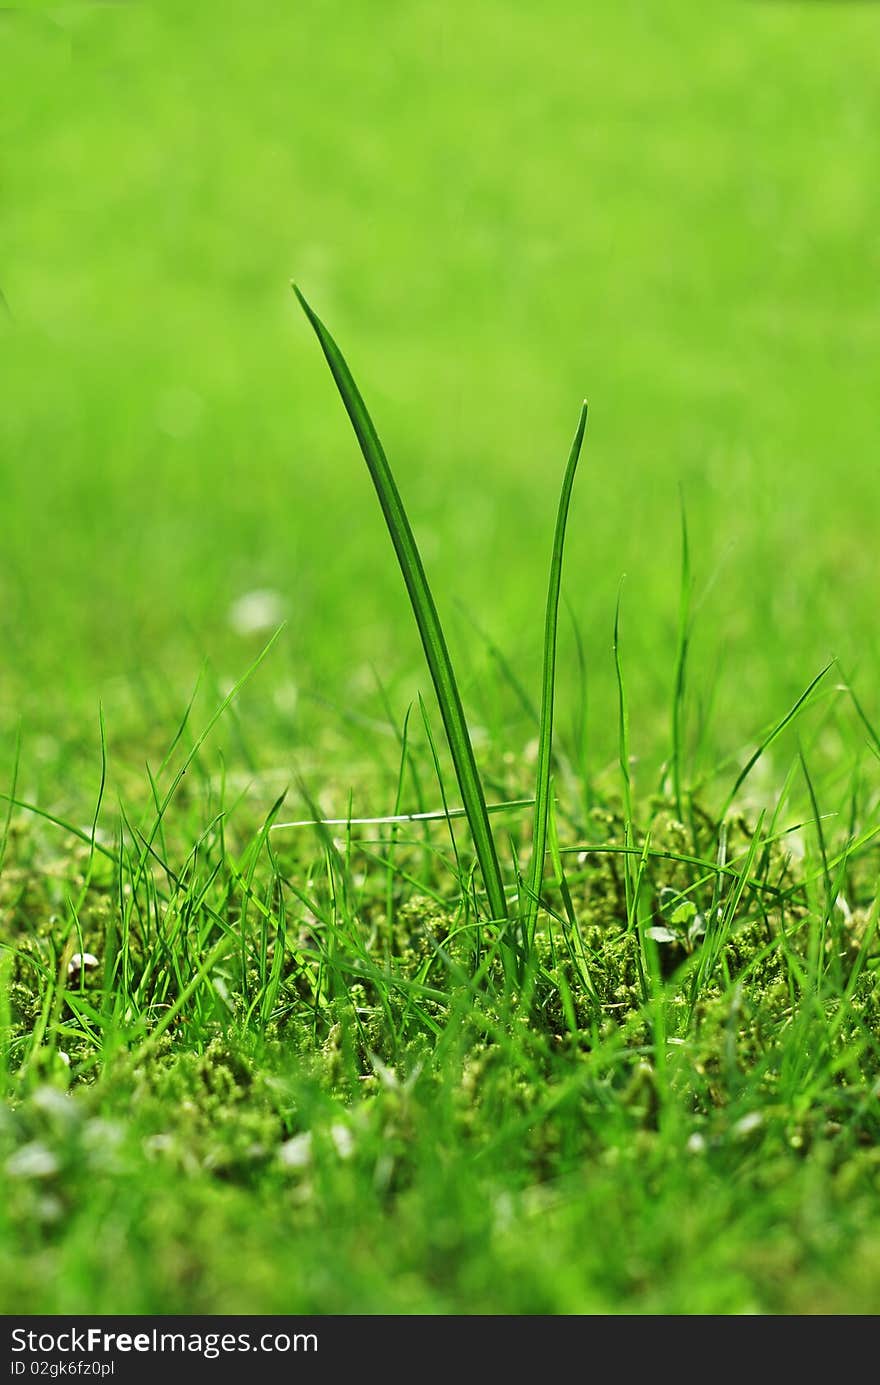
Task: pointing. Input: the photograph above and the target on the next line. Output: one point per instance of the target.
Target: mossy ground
(355, 1113)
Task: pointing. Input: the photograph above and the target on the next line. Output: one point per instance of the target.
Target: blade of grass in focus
(630, 874)
(770, 738)
(681, 658)
(548, 684)
(425, 612)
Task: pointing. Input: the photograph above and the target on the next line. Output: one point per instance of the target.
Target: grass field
(311, 1069)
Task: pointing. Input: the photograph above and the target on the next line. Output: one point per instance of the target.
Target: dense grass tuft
(213, 1015)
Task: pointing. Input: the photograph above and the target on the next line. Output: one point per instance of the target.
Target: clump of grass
(699, 933)
(659, 1040)
(439, 661)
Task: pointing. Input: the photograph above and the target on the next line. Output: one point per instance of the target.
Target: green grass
(304, 1074)
(428, 622)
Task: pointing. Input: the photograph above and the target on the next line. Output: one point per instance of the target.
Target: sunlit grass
(565, 1000)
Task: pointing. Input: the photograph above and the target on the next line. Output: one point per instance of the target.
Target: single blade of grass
(425, 612)
(438, 774)
(548, 686)
(505, 668)
(436, 815)
(80, 833)
(770, 738)
(560, 762)
(684, 635)
(623, 757)
(820, 833)
(398, 802)
(874, 738)
(622, 714)
(581, 717)
(101, 787)
(10, 799)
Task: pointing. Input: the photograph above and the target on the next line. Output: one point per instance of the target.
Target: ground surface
(298, 1078)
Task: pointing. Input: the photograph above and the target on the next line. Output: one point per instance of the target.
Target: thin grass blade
(548, 686)
(435, 815)
(681, 659)
(630, 873)
(770, 738)
(425, 612)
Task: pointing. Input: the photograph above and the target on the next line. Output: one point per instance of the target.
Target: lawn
(310, 1069)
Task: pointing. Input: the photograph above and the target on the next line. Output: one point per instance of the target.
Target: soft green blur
(498, 208)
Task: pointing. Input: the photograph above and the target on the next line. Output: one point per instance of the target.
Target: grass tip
(303, 302)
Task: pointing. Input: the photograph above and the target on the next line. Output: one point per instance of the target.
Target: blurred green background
(498, 209)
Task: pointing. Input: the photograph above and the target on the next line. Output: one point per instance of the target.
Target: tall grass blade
(581, 721)
(770, 738)
(548, 685)
(425, 612)
(629, 875)
(684, 635)
(871, 730)
(622, 715)
(10, 799)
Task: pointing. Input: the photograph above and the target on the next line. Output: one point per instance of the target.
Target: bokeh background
(499, 208)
